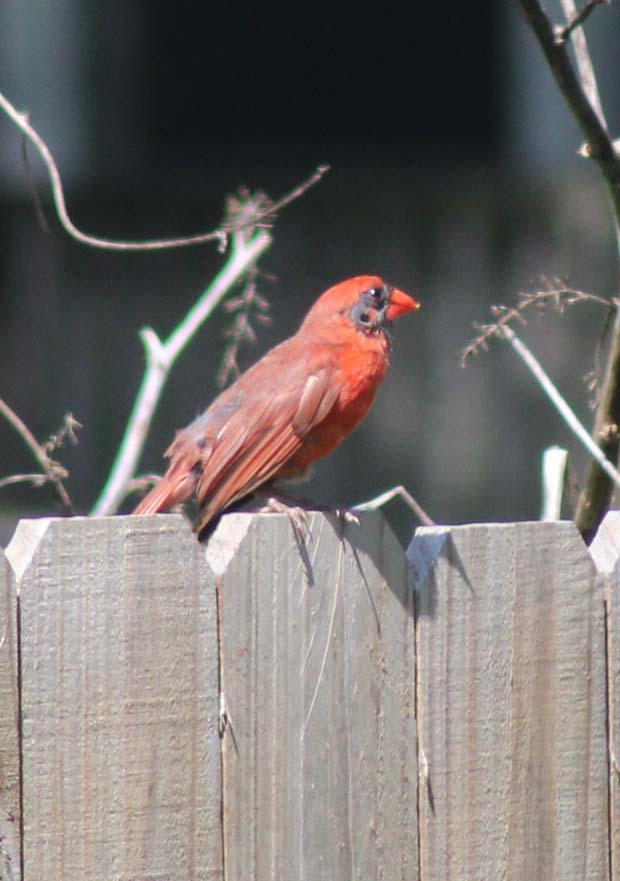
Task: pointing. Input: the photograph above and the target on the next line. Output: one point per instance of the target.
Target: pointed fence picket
(511, 626)
(253, 710)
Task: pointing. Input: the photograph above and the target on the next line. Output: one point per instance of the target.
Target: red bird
(294, 406)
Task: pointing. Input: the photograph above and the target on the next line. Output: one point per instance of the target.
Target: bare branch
(559, 297)
(595, 377)
(34, 479)
(585, 68)
(295, 193)
(54, 470)
(36, 198)
(220, 235)
(161, 355)
(142, 483)
(579, 88)
(577, 19)
(65, 432)
(593, 127)
(393, 493)
(568, 415)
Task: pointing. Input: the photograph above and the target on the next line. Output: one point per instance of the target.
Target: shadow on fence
(240, 712)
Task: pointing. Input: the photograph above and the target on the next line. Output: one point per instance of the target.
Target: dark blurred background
(454, 175)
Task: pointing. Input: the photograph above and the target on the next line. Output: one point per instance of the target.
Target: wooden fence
(253, 711)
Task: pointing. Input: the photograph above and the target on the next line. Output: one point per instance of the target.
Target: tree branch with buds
(555, 293)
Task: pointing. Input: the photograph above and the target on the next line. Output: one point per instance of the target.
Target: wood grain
(511, 704)
(130, 628)
(318, 676)
(606, 553)
(121, 763)
(613, 655)
(10, 808)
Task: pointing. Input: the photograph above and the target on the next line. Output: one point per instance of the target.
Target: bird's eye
(365, 312)
(376, 293)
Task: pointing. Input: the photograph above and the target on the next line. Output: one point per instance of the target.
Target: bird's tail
(172, 490)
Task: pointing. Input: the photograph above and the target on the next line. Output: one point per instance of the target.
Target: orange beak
(400, 304)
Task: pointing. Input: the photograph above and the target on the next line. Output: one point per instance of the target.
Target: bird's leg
(295, 513)
(282, 502)
(341, 513)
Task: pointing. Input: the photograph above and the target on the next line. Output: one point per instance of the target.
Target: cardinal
(294, 406)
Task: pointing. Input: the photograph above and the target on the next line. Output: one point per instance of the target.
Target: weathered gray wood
(9, 730)
(121, 765)
(606, 553)
(511, 704)
(518, 676)
(318, 676)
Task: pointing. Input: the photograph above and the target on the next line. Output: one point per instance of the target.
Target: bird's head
(366, 300)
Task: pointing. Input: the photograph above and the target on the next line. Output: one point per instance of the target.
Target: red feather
(291, 408)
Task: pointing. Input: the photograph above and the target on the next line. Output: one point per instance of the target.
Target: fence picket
(10, 845)
(606, 553)
(511, 706)
(318, 676)
(251, 709)
(120, 745)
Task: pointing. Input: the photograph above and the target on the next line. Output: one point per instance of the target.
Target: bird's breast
(360, 371)
(362, 368)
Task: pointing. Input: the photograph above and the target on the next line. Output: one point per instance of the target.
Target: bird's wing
(263, 434)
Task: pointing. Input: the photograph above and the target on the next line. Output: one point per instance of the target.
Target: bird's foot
(343, 514)
(346, 516)
(297, 510)
(296, 514)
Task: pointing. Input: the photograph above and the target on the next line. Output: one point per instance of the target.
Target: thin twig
(160, 357)
(542, 377)
(34, 479)
(36, 198)
(142, 482)
(250, 304)
(66, 432)
(559, 296)
(55, 472)
(220, 235)
(578, 18)
(396, 492)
